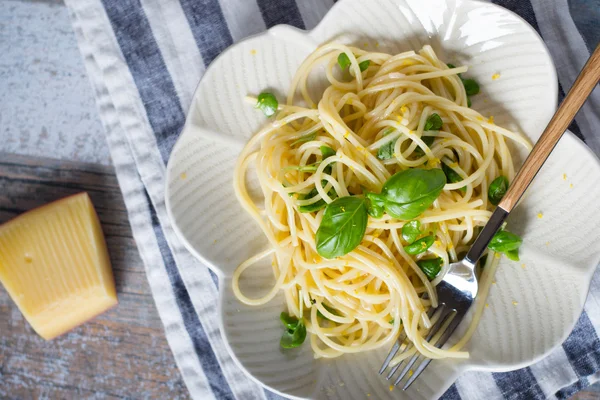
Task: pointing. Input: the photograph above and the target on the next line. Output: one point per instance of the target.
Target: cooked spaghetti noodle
(365, 298)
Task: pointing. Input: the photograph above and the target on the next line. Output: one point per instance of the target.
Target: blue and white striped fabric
(145, 57)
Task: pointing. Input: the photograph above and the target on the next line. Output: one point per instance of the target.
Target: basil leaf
(289, 321)
(452, 176)
(386, 151)
(471, 86)
(374, 207)
(327, 151)
(451, 66)
(295, 332)
(408, 193)
(428, 141)
(513, 255)
(431, 267)
(497, 189)
(306, 138)
(343, 61)
(303, 168)
(364, 65)
(411, 231)
(330, 309)
(392, 321)
(317, 205)
(342, 227)
(267, 103)
(420, 246)
(507, 243)
(434, 123)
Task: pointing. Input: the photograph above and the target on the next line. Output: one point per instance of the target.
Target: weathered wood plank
(120, 354)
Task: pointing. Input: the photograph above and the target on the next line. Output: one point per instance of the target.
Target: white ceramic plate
(560, 250)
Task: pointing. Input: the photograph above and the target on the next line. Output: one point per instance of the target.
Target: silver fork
(456, 292)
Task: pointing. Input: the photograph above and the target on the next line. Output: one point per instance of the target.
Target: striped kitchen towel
(145, 57)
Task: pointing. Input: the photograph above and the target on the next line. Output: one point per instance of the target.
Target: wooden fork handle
(583, 86)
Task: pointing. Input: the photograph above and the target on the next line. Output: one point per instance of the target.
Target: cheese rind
(55, 265)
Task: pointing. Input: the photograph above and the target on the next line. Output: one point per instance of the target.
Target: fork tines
(438, 335)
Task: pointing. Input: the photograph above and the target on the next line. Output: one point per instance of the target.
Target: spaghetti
(376, 118)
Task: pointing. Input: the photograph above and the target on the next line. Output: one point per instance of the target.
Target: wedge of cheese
(55, 266)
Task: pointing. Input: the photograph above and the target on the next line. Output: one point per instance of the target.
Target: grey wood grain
(120, 354)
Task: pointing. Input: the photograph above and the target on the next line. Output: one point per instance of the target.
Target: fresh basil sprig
(317, 205)
(303, 168)
(471, 86)
(327, 151)
(364, 65)
(386, 151)
(344, 62)
(431, 267)
(342, 227)
(330, 309)
(306, 138)
(411, 231)
(452, 176)
(267, 103)
(407, 193)
(434, 123)
(507, 243)
(295, 331)
(419, 246)
(497, 189)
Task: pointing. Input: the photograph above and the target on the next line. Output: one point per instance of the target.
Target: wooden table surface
(120, 354)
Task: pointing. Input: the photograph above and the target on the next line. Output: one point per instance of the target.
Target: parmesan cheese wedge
(55, 266)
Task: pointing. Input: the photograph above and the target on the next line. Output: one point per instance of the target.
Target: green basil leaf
(392, 321)
(451, 66)
(294, 335)
(513, 255)
(431, 267)
(497, 189)
(504, 242)
(420, 246)
(408, 193)
(343, 61)
(471, 87)
(327, 151)
(411, 231)
(317, 205)
(388, 131)
(303, 168)
(468, 101)
(364, 65)
(428, 141)
(342, 227)
(267, 103)
(452, 176)
(289, 321)
(434, 123)
(306, 138)
(386, 151)
(374, 206)
(330, 309)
